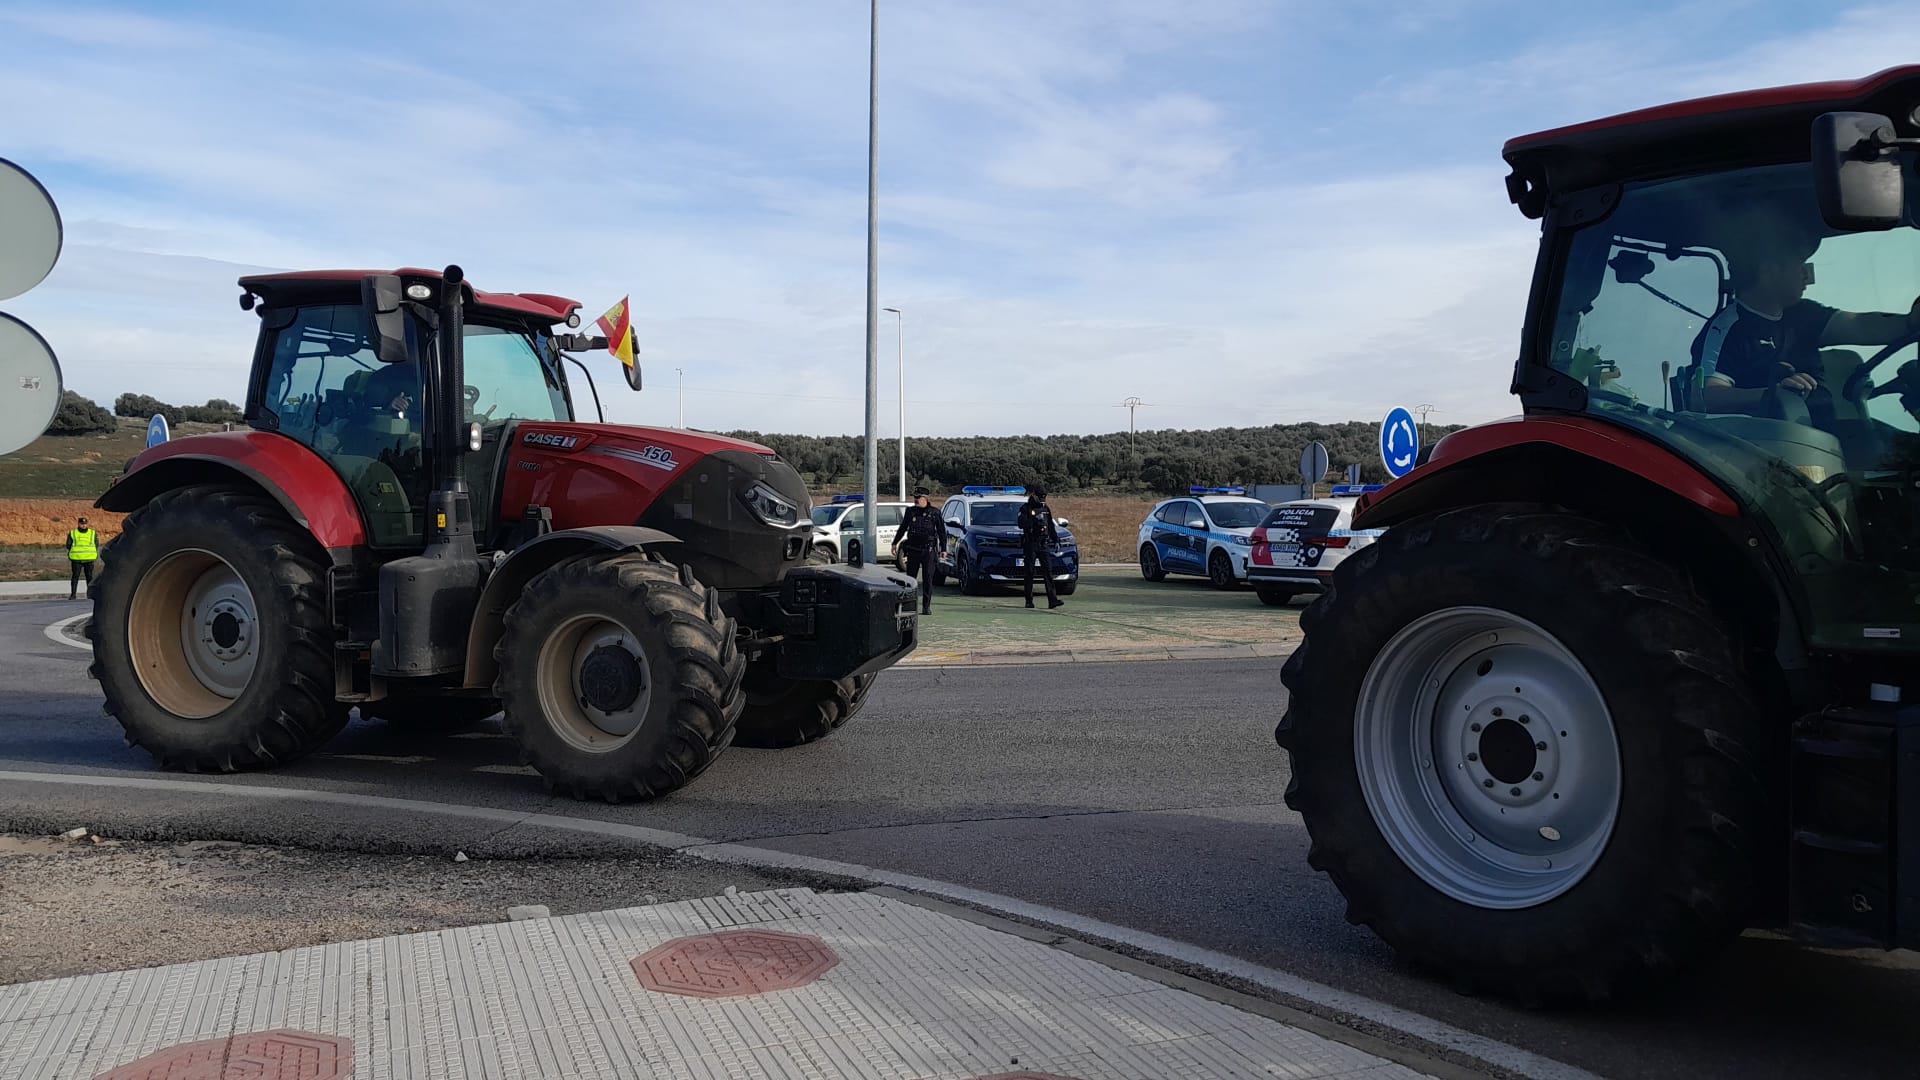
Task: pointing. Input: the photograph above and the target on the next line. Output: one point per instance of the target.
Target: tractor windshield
(507, 380)
(1718, 314)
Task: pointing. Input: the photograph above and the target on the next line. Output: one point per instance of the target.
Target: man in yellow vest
(83, 550)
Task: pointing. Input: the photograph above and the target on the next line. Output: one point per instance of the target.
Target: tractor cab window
(1719, 314)
(325, 389)
(506, 379)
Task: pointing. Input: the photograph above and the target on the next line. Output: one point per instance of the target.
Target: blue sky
(1243, 212)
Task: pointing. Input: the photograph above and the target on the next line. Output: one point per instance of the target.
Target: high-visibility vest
(86, 546)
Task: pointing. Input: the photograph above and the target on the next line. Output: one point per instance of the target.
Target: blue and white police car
(839, 525)
(984, 548)
(1208, 532)
(1297, 547)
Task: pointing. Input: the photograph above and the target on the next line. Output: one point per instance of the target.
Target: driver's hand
(1799, 383)
(401, 403)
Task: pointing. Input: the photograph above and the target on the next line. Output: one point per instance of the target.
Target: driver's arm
(1719, 395)
(1870, 328)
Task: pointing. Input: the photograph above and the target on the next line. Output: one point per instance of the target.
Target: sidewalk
(774, 985)
(33, 589)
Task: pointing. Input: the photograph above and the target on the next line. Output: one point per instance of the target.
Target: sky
(1242, 212)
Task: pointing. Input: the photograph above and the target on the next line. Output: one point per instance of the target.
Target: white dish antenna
(29, 384)
(30, 233)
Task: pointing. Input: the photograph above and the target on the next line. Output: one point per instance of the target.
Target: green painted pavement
(1114, 615)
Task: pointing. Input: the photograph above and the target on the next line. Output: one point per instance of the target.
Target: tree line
(78, 415)
(1165, 461)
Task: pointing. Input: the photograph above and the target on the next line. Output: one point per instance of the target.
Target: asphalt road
(1147, 795)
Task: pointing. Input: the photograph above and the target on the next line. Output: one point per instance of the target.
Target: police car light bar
(1198, 490)
(1356, 489)
(982, 489)
(849, 498)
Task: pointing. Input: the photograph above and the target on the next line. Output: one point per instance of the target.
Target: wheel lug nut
(1539, 746)
(1526, 719)
(1539, 776)
(1473, 757)
(1497, 712)
(1516, 791)
(1486, 783)
(1473, 727)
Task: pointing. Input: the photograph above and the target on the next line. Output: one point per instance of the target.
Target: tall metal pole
(871, 535)
(900, 346)
(683, 397)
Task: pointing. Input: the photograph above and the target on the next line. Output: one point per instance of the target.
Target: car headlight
(771, 507)
(1243, 541)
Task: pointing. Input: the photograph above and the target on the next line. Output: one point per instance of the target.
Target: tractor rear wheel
(619, 676)
(431, 713)
(211, 639)
(1526, 752)
(791, 712)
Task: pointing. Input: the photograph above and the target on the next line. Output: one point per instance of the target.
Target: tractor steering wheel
(1857, 382)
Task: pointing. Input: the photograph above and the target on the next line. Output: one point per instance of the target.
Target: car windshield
(996, 513)
(1682, 313)
(1236, 515)
(825, 515)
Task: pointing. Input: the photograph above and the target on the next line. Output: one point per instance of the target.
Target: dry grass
(1107, 526)
(43, 523)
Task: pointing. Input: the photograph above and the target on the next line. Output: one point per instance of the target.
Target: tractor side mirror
(632, 372)
(1856, 171)
(381, 294)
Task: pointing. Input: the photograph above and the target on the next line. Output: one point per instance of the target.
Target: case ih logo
(548, 438)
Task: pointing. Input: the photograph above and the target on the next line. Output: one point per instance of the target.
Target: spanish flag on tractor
(617, 324)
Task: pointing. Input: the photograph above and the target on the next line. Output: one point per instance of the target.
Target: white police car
(839, 526)
(1208, 532)
(1297, 547)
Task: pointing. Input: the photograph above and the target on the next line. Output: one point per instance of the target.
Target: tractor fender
(294, 476)
(526, 562)
(1456, 473)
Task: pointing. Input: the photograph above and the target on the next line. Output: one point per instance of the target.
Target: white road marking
(1490, 1051)
(55, 632)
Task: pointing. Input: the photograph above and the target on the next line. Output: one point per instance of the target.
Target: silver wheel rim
(1487, 757)
(572, 691)
(193, 633)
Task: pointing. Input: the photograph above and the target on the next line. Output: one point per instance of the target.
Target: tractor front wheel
(791, 712)
(619, 676)
(211, 640)
(1526, 752)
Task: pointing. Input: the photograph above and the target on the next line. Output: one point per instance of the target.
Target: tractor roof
(1751, 127)
(296, 285)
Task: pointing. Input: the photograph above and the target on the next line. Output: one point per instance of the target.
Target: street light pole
(871, 532)
(900, 346)
(683, 398)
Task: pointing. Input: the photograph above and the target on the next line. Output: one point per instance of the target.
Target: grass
(76, 466)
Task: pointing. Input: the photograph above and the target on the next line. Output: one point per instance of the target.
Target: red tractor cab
(1640, 667)
(416, 522)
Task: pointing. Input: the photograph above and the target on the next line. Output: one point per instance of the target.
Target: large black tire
(970, 581)
(1671, 877)
(1150, 567)
(1067, 588)
(1220, 572)
(681, 661)
(261, 692)
(431, 713)
(1275, 597)
(789, 712)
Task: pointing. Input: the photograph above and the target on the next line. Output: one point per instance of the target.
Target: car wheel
(970, 582)
(1220, 571)
(1276, 597)
(1150, 567)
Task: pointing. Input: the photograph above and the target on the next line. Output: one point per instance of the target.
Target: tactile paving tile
(783, 985)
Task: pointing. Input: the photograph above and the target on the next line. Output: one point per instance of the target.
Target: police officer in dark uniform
(1039, 536)
(920, 536)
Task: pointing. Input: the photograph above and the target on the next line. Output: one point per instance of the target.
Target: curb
(938, 658)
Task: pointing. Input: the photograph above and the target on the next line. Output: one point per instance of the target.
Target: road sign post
(1399, 443)
(1313, 466)
(1353, 473)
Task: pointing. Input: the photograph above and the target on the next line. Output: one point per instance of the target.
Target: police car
(840, 525)
(1297, 547)
(1208, 533)
(984, 547)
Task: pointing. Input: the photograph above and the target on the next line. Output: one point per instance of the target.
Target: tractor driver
(1771, 335)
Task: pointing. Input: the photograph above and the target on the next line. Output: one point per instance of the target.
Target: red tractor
(1640, 668)
(416, 523)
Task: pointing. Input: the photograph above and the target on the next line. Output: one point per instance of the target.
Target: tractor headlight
(771, 507)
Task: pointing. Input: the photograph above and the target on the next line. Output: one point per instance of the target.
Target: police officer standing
(83, 550)
(920, 538)
(1039, 537)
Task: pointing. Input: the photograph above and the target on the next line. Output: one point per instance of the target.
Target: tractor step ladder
(1854, 860)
